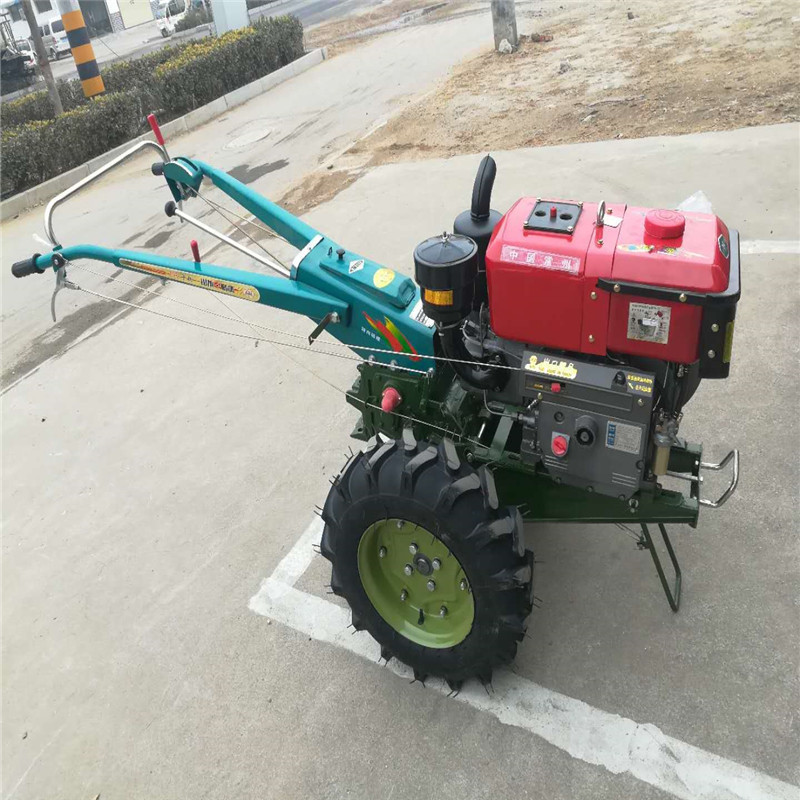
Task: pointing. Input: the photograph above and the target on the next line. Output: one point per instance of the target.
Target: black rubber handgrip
(482, 189)
(157, 168)
(27, 267)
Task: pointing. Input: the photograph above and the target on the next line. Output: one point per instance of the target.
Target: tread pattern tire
(431, 486)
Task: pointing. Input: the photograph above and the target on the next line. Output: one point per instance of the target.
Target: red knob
(151, 118)
(390, 399)
(195, 251)
(559, 446)
(664, 224)
(555, 388)
(553, 212)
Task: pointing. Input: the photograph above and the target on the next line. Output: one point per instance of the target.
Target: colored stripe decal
(384, 331)
(78, 38)
(88, 70)
(83, 54)
(393, 336)
(407, 346)
(93, 86)
(73, 20)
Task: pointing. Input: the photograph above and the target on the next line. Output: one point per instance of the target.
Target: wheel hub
(423, 564)
(433, 611)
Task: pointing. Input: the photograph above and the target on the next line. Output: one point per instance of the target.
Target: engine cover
(593, 422)
(637, 281)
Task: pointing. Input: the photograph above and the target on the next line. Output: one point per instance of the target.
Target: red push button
(555, 388)
(559, 445)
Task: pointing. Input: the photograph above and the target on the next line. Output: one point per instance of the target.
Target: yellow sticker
(640, 383)
(440, 298)
(565, 370)
(383, 277)
(230, 288)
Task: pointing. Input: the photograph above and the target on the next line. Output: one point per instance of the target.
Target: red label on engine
(540, 260)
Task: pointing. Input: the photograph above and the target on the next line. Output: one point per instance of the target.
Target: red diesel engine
(590, 325)
(600, 279)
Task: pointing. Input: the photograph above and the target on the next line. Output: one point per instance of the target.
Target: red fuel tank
(634, 280)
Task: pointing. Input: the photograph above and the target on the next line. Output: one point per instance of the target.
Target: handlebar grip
(26, 267)
(151, 118)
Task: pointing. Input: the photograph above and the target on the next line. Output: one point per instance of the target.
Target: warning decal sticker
(540, 260)
(418, 315)
(648, 323)
(627, 438)
(552, 368)
(230, 288)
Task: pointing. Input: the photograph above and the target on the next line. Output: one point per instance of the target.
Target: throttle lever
(61, 281)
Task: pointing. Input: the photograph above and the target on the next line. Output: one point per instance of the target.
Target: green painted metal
(387, 552)
(270, 290)
(439, 409)
(378, 308)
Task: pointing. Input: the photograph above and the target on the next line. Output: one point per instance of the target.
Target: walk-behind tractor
(537, 370)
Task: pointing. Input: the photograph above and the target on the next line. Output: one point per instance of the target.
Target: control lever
(331, 316)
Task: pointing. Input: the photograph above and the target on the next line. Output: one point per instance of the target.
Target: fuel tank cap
(664, 224)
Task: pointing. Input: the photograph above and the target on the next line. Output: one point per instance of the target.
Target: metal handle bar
(83, 182)
(734, 454)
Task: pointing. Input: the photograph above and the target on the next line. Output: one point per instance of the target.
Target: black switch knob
(619, 378)
(340, 253)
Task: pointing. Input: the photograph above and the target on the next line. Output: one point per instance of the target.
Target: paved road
(154, 474)
(147, 38)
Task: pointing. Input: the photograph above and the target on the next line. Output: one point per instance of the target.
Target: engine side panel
(593, 424)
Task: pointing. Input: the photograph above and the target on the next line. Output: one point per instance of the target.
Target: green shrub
(121, 76)
(38, 150)
(37, 106)
(199, 15)
(211, 67)
(172, 81)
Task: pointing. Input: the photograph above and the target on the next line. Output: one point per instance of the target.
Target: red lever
(151, 118)
(390, 399)
(195, 251)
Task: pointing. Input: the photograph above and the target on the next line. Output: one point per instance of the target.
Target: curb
(37, 195)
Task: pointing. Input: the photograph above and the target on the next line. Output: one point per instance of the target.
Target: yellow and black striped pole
(82, 50)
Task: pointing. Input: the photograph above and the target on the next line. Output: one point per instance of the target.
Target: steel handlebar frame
(91, 178)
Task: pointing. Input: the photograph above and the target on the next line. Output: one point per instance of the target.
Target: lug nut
(412, 548)
(382, 552)
(408, 569)
(443, 611)
(436, 564)
(431, 585)
(463, 585)
(403, 596)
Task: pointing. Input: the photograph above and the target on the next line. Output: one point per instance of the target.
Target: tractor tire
(429, 563)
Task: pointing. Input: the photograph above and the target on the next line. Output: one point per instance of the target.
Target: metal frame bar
(267, 262)
(646, 542)
(91, 178)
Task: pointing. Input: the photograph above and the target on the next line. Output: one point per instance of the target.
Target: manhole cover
(248, 137)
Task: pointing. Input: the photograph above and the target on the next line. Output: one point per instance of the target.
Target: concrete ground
(154, 473)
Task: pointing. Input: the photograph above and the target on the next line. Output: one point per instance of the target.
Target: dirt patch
(342, 34)
(317, 188)
(718, 65)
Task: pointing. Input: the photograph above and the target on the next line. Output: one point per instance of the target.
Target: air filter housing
(445, 268)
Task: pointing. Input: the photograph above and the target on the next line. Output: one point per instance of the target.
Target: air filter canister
(445, 268)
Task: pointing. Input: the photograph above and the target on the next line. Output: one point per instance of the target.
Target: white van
(170, 13)
(55, 38)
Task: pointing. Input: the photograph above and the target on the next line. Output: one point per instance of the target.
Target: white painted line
(597, 737)
(768, 247)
